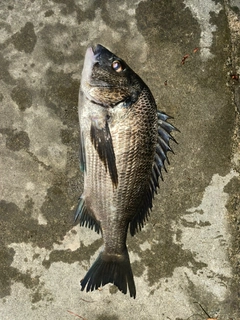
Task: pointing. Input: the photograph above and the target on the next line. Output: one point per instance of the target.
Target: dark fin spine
(163, 143)
(155, 180)
(157, 171)
(85, 218)
(154, 183)
(110, 269)
(160, 162)
(163, 116)
(162, 154)
(165, 135)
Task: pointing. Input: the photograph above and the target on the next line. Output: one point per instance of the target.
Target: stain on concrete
(49, 13)
(5, 263)
(37, 295)
(68, 256)
(18, 226)
(219, 135)
(167, 22)
(16, 140)
(10, 7)
(69, 7)
(235, 9)
(62, 96)
(233, 207)
(4, 74)
(25, 40)
(50, 32)
(113, 18)
(202, 15)
(198, 295)
(22, 96)
(222, 27)
(9, 273)
(56, 211)
(60, 46)
(67, 136)
(163, 257)
(12, 219)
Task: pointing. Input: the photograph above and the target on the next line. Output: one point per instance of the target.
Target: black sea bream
(124, 142)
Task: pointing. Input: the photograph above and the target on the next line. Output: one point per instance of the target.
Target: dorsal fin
(164, 136)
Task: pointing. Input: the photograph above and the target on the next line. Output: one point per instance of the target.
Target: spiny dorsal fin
(164, 136)
(163, 143)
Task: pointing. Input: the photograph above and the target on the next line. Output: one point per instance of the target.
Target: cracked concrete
(189, 250)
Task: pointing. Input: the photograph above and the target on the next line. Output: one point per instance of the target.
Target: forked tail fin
(109, 268)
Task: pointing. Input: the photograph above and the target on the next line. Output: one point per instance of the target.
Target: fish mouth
(93, 53)
(92, 57)
(97, 50)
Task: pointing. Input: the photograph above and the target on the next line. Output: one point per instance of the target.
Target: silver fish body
(124, 142)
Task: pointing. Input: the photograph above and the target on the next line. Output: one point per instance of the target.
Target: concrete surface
(188, 253)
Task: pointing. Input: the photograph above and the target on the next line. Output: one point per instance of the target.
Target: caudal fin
(114, 269)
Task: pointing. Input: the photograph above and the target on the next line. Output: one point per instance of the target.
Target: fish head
(107, 79)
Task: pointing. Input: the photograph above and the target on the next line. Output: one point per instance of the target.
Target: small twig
(184, 58)
(209, 317)
(76, 315)
(87, 300)
(204, 310)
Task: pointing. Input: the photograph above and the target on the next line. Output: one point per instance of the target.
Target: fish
(124, 141)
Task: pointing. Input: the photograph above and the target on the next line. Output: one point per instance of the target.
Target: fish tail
(110, 268)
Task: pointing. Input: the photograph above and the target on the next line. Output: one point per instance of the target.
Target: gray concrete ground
(188, 253)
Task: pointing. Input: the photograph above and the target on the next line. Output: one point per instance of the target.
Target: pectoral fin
(82, 153)
(102, 141)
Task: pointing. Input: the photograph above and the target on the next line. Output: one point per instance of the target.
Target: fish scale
(124, 143)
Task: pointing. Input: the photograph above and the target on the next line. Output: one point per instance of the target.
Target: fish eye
(117, 66)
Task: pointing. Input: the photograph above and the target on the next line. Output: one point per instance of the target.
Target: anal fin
(138, 221)
(86, 219)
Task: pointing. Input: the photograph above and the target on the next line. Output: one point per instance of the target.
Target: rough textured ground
(188, 254)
